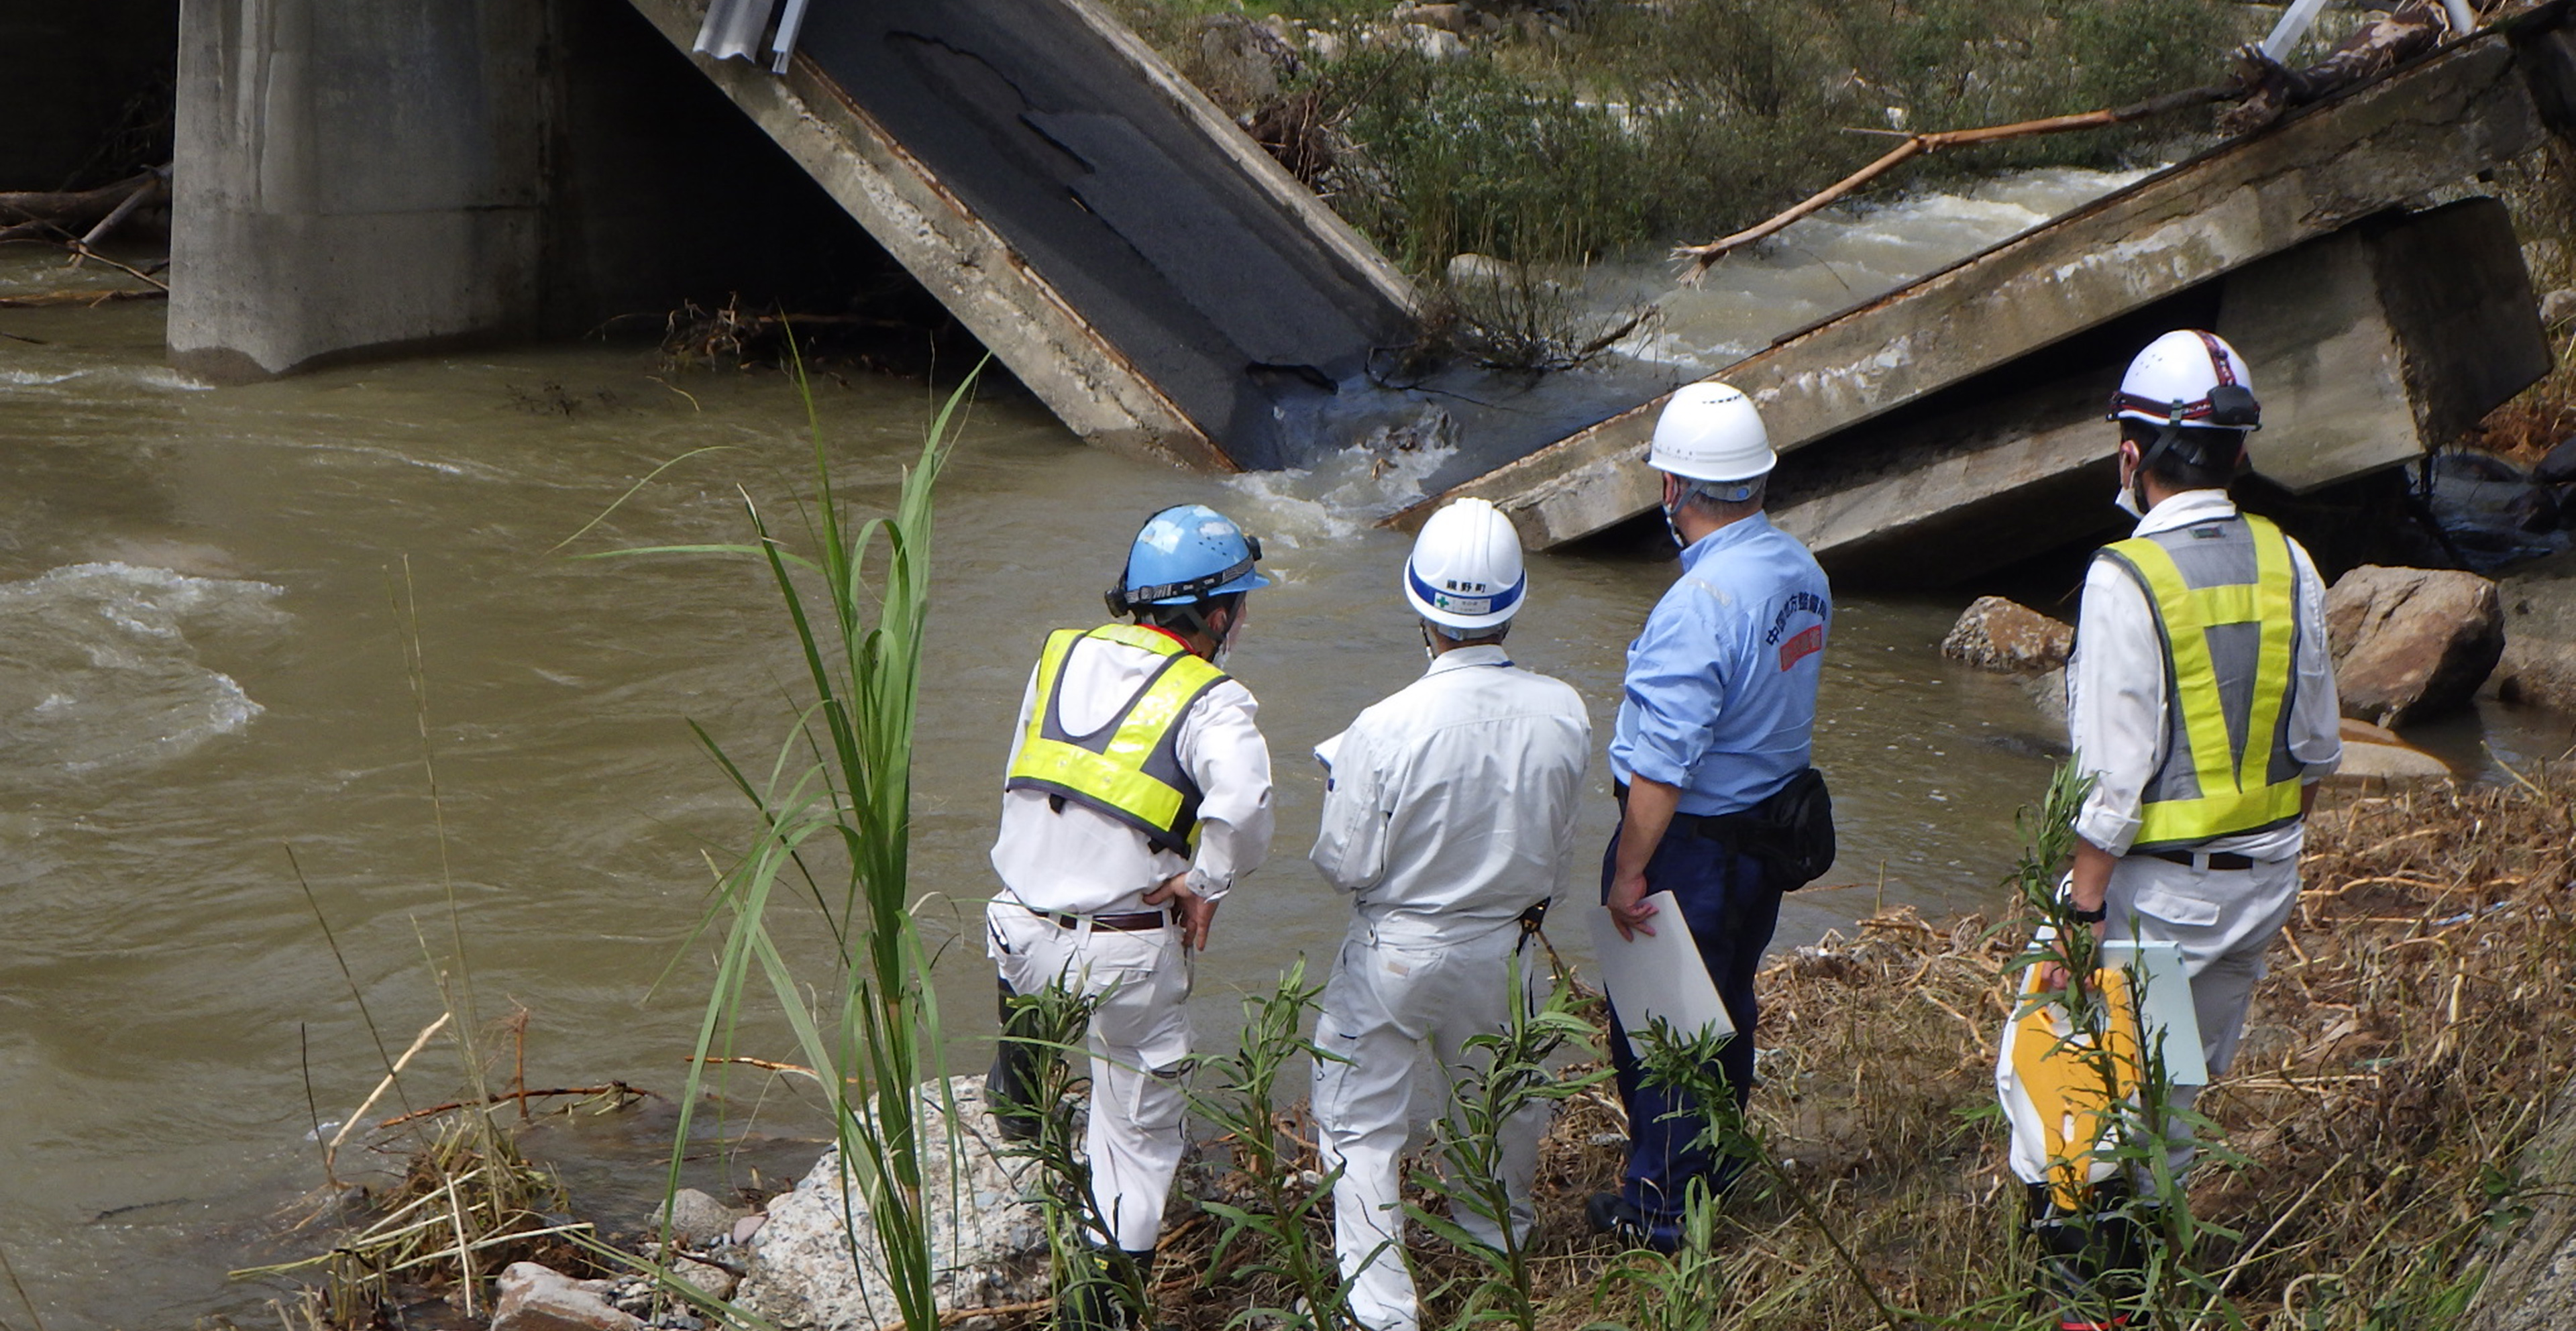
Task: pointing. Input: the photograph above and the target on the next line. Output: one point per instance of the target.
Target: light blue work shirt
(1721, 689)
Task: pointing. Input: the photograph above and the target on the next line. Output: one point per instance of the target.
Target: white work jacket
(2116, 692)
(1083, 861)
(1450, 806)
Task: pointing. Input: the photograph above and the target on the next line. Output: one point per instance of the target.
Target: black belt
(1133, 922)
(2226, 860)
(1720, 827)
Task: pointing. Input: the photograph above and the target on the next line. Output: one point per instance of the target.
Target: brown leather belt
(1133, 922)
(2225, 860)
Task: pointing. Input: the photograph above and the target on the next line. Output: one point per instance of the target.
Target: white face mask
(2126, 500)
(1233, 632)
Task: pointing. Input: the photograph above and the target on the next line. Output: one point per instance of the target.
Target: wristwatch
(2093, 916)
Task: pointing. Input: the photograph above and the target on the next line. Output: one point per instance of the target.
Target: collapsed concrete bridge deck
(357, 176)
(1961, 413)
(1138, 262)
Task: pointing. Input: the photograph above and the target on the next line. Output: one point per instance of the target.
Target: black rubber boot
(2089, 1260)
(1011, 1087)
(1104, 1291)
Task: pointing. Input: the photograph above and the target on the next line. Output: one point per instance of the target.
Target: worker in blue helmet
(1138, 792)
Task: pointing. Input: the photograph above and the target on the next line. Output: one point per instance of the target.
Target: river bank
(2367, 1168)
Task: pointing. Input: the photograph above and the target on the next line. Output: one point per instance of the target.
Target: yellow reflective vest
(1129, 768)
(2226, 603)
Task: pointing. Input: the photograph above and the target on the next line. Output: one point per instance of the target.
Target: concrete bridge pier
(355, 176)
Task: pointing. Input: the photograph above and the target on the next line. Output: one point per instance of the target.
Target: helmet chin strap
(2165, 439)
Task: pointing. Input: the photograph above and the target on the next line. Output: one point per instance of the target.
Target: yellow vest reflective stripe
(2213, 782)
(1129, 768)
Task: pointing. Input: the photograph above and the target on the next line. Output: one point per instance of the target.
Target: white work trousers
(1388, 998)
(1139, 1039)
(2224, 921)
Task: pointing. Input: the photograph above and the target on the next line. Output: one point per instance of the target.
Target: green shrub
(1640, 126)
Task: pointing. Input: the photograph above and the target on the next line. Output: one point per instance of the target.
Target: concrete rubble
(696, 1219)
(2410, 643)
(538, 1298)
(990, 1243)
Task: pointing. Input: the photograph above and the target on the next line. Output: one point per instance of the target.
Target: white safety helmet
(1710, 432)
(1465, 570)
(2188, 378)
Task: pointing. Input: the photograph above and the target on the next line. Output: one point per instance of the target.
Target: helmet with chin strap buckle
(2188, 379)
(1184, 555)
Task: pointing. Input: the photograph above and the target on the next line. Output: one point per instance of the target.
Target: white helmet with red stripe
(2191, 379)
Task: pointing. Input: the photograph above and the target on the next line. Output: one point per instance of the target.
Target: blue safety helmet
(1183, 555)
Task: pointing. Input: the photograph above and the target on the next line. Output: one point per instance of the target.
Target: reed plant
(1508, 1074)
(1047, 1029)
(1275, 1240)
(833, 814)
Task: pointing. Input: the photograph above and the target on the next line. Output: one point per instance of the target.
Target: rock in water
(2557, 466)
(990, 1244)
(2536, 672)
(1996, 634)
(696, 1219)
(2411, 642)
(539, 1298)
(2375, 755)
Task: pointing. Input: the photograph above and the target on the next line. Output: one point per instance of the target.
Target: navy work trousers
(1730, 910)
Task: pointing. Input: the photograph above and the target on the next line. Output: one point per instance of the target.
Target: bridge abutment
(355, 176)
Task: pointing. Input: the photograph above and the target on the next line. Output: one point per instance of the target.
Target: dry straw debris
(2416, 1020)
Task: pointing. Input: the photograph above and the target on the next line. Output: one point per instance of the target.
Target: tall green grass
(1628, 127)
(855, 598)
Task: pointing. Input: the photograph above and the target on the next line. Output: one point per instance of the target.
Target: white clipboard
(2167, 1018)
(1659, 974)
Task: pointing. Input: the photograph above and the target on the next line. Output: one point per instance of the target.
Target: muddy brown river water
(202, 668)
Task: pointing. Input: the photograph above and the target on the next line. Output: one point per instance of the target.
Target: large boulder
(988, 1239)
(2557, 466)
(1240, 64)
(2411, 642)
(1996, 634)
(2537, 672)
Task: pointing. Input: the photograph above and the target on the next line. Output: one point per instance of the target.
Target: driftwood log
(83, 215)
(41, 300)
(1702, 257)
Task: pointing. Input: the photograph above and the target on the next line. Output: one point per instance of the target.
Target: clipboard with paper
(1658, 975)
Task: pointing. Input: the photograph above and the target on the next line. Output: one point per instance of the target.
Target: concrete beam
(2423, 128)
(2368, 347)
(353, 176)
